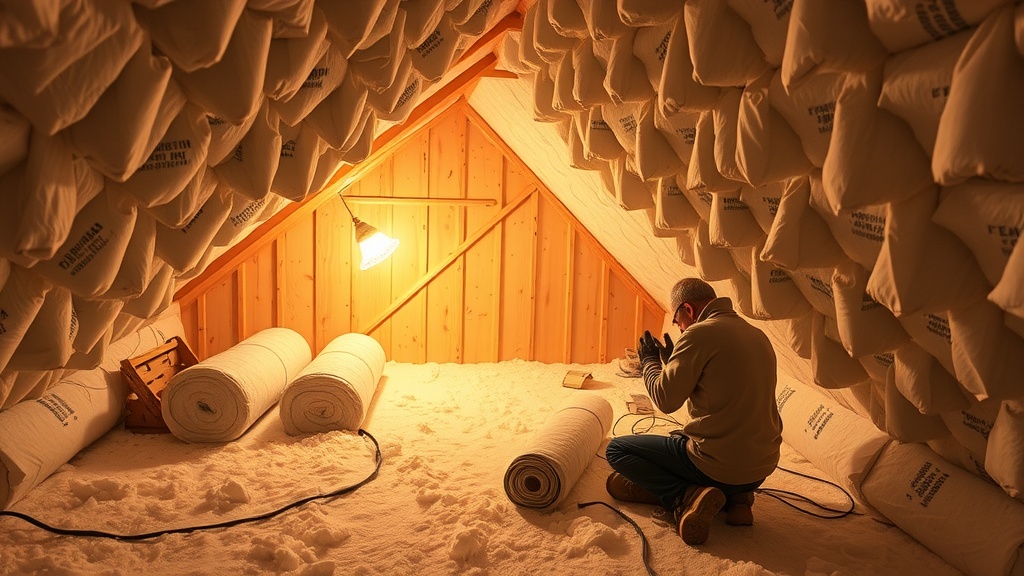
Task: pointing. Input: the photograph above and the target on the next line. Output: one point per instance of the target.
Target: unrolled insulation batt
(334, 391)
(544, 473)
(218, 399)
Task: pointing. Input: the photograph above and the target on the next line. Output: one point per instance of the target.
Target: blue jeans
(661, 465)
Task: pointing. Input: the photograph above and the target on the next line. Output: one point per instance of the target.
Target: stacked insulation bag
(221, 397)
(140, 139)
(335, 390)
(40, 435)
(849, 172)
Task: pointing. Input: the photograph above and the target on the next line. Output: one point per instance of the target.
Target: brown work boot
(625, 490)
(738, 509)
(695, 512)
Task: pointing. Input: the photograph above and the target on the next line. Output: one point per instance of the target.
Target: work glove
(666, 351)
(649, 349)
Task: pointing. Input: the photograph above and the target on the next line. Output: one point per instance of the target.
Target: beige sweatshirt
(723, 369)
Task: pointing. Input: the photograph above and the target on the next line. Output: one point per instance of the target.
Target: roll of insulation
(557, 455)
(334, 391)
(218, 399)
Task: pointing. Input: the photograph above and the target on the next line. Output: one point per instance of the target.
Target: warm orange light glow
(374, 245)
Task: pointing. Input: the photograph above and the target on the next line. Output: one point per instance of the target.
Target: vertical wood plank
(221, 316)
(259, 273)
(295, 279)
(621, 318)
(446, 227)
(485, 179)
(409, 262)
(587, 310)
(202, 349)
(371, 288)
(518, 283)
(243, 303)
(334, 266)
(552, 259)
(190, 323)
(570, 278)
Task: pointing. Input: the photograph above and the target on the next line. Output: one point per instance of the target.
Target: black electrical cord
(785, 496)
(378, 460)
(645, 548)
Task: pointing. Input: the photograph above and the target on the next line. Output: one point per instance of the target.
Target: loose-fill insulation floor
(447, 434)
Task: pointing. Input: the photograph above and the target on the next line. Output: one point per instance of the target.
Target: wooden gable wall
(491, 265)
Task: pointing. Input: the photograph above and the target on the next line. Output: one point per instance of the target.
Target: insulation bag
(472, 20)
(134, 271)
(904, 421)
(799, 238)
(176, 212)
(684, 247)
(707, 22)
(725, 119)
(702, 171)
(554, 459)
(972, 427)
(625, 77)
(599, 140)
(1009, 292)
(550, 45)
(986, 354)
(543, 97)
(810, 110)
(834, 439)
(350, 25)
(987, 217)
(250, 169)
(678, 90)
(225, 136)
(873, 157)
(32, 24)
(588, 76)
(773, 294)
(39, 436)
(292, 18)
(631, 192)
(981, 131)
(700, 200)
(47, 344)
(680, 131)
(763, 202)
(649, 47)
(1003, 459)
(432, 57)
(43, 196)
(769, 24)
(816, 286)
(655, 158)
(731, 225)
(859, 232)
(232, 88)
(567, 19)
(421, 18)
(916, 84)
(194, 34)
(17, 387)
(244, 214)
(183, 247)
(21, 298)
(603, 21)
(300, 150)
(577, 152)
(926, 383)
(562, 98)
(877, 365)
(173, 161)
(396, 102)
(290, 60)
(120, 131)
(377, 65)
(88, 261)
(218, 399)
(919, 491)
(623, 120)
(712, 263)
(911, 274)
(14, 137)
(94, 318)
(334, 391)
(767, 149)
(672, 210)
(832, 37)
(158, 294)
(338, 116)
(831, 366)
(527, 52)
(865, 326)
(641, 13)
(931, 332)
(902, 25)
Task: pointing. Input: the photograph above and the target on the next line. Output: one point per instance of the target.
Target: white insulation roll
(555, 458)
(335, 390)
(218, 399)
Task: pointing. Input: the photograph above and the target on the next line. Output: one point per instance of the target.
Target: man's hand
(665, 350)
(649, 349)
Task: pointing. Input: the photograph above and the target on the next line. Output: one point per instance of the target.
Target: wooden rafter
(458, 81)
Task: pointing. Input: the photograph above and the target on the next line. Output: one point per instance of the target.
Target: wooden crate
(147, 375)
